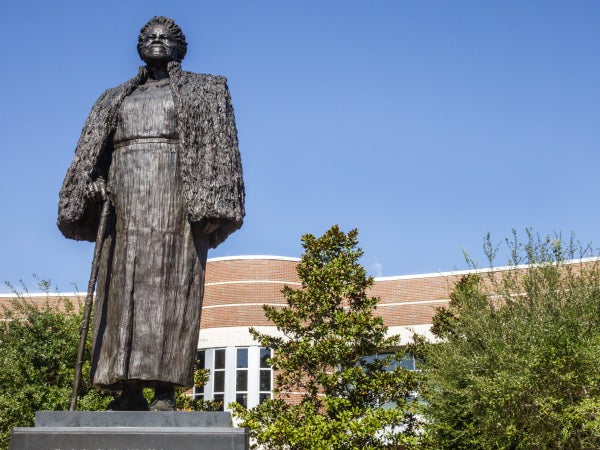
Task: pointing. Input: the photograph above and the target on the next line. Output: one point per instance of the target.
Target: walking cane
(89, 299)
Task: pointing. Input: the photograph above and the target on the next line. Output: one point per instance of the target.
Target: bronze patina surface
(166, 143)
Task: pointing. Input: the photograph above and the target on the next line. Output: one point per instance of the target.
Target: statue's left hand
(96, 191)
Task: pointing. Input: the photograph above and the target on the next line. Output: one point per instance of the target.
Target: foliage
(328, 331)
(186, 402)
(518, 363)
(38, 348)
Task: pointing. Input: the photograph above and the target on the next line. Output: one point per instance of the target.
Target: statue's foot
(131, 399)
(163, 404)
(164, 399)
(120, 404)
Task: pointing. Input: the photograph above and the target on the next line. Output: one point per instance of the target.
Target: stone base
(121, 430)
(131, 419)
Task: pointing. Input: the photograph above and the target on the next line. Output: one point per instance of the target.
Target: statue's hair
(173, 28)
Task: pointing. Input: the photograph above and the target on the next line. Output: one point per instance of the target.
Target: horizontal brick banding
(237, 316)
(231, 269)
(52, 301)
(223, 294)
(235, 289)
(413, 289)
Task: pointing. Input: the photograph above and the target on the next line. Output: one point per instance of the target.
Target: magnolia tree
(326, 354)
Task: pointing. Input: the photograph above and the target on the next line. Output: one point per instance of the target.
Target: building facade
(236, 288)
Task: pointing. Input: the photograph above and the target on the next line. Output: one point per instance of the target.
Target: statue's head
(161, 39)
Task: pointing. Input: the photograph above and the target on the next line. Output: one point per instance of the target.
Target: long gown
(150, 284)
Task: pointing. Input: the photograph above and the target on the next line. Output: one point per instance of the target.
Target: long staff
(89, 300)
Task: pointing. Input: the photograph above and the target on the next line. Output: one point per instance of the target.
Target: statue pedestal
(125, 430)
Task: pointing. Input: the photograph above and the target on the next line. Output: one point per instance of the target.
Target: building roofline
(43, 294)
(262, 257)
(289, 258)
(404, 277)
(484, 270)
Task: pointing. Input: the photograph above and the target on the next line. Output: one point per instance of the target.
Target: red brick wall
(42, 301)
(236, 288)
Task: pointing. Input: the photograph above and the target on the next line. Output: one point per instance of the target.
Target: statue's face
(158, 45)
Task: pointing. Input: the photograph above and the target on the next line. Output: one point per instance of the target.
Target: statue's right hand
(96, 190)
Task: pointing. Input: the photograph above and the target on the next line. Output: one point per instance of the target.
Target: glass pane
(242, 399)
(198, 394)
(265, 380)
(369, 359)
(200, 358)
(220, 398)
(220, 359)
(242, 358)
(408, 363)
(219, 385)
(241, 380)
(265, 353)
(263, 397)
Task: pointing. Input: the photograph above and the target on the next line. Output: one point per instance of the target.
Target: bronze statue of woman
(166, 144)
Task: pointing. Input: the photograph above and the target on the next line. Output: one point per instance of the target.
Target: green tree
(329, 334)
(38, 347)
(517, 365)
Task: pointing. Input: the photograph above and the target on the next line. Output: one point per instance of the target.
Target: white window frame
(231, 372)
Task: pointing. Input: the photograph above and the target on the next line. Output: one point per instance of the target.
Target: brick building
(237, 287)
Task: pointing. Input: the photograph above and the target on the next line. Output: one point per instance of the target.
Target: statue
(166, 144)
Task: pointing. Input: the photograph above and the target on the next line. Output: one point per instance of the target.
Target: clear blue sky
(424, 124)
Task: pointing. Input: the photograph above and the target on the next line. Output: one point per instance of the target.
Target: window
(219, 377)
(198, 392)
(265, 376)
(241, 377)
(238, 374)
(408, 362)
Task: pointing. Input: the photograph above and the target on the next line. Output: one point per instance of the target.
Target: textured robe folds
(211, 170)
(147, 312)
